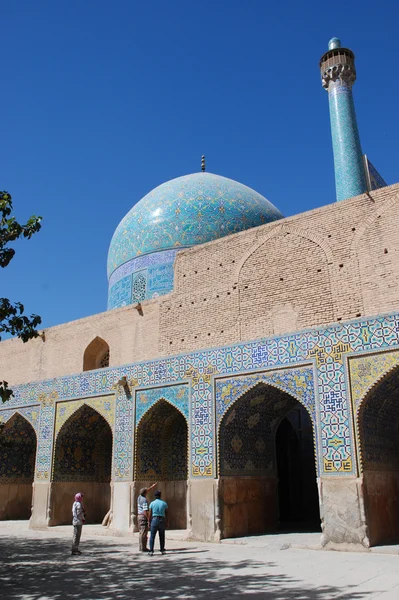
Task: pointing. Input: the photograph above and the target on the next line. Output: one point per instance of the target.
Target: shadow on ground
(33, 569)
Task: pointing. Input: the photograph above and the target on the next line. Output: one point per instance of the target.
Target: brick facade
(330, 264)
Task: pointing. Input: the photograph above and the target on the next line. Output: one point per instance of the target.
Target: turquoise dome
(185, 212)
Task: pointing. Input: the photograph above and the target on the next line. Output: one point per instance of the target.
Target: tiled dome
(187, 211)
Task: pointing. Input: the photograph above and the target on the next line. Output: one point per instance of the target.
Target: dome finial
(203, 163)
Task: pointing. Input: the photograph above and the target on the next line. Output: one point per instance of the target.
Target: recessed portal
(378, 423)
(82, 463)
(17, 468)
(267, 465)
(161, 455)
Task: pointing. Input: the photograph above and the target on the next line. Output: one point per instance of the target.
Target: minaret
(338, 74)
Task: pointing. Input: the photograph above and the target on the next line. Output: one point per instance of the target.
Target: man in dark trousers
(158, 522)
(143, 517)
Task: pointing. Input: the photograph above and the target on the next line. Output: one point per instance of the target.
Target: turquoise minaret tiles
(338, 75)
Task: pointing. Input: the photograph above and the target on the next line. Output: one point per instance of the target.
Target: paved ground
(37, 565)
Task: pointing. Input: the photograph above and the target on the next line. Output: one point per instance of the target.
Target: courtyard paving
(37, 565)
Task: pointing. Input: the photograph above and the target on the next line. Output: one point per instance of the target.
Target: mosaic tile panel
(325, 347)
(161, 444)
(157, 268)
(366, 370)
(295, 381)
(120, 294)
(247, 431)
(378, 423)
(377, 426)
(104, 405)
(178, 395)
(83, 449)
(31, 414)
(17, 451)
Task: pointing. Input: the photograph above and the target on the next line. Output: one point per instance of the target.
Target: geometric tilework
(365, 371)
(104, 405)
(83, 449)
(377, 426)
(31, 414)
(17, 451)
(248, 430)
(178, 395)
(297, 382)
(161, 444)
(325, 347)
(156, 269)
(374, 394)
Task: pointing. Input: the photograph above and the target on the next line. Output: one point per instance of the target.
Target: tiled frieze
(325, 348)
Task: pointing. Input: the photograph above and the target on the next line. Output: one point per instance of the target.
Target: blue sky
(103, 101)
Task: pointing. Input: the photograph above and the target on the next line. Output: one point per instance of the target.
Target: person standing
(78, 518)
(143, 517)
(158, 522)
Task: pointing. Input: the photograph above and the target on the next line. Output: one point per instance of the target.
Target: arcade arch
(162, 455)
(378, 436)
(267, 473)
(17, 467)
(82, 463)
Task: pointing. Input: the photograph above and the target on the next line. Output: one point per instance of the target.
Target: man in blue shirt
(158, 520)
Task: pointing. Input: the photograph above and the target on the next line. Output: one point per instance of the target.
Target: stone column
(342, 513)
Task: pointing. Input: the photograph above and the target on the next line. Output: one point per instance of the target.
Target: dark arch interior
(297, 485)
(267, 465)
(379, 441)
(17, 468)
(82, 463)
(161, 455)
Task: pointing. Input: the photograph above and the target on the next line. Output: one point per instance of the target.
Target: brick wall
(330, 264)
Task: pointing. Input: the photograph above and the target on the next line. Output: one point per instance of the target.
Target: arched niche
(267, 472)
(17, 467)
(273, 298)
(162, 455)
(378, 436)
(96, 355)
(82, 463)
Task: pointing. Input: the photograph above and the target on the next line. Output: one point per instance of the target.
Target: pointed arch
(162, 398)
(18, 444)
(82, 462)
(249, 460)
(161, 454)
(96, 355)
(377, 429)
(162, 443)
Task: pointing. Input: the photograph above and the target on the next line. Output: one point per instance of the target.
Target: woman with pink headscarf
(78, 518)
